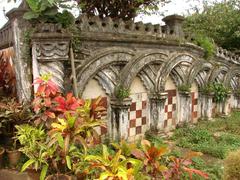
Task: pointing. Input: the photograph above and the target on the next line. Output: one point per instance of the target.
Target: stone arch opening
(138, 112)
(178, 64)
(100, 61)
(170, 108)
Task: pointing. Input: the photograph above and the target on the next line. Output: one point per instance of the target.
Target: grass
(215, 138)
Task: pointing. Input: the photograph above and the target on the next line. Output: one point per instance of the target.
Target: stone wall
(150, 60)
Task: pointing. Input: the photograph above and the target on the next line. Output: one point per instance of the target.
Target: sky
(180, 7)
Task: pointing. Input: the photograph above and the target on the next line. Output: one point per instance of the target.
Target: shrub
(207, 89)
(121, 92)
(207, 44)
(232, 166)
(220, 92)
(184, 87)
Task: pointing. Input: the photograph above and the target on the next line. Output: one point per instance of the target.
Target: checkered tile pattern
(138, 114)
(103, 130)
(194, 96)
(170, 108)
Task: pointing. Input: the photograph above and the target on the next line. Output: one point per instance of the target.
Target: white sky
(180, 7)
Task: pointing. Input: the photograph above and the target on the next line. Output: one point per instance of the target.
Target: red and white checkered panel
(138, 115)
(103, 130)
(170, 108)
(194, 96)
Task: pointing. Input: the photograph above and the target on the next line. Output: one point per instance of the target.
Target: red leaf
(195, 171)
(38, 81)
(52, 87)
(50, 114)
(138, 154)
(41, 89)
(47, 102)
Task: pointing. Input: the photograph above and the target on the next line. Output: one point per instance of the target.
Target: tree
(125, 9)
(220, 21)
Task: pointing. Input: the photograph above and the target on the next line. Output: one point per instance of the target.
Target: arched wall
(144, 73)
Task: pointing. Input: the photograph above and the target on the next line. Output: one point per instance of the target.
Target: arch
(177, 77)
(108, 79)
(131, 70)
(137, 86)
(93, 89)
(197, 68)
(235, 83)
(167, 67)
(146, 78)
(215, 73)
(230, 74)
(93, 65)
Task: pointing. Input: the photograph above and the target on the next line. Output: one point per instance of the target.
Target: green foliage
(219, 22)
(72, 122)
(184, 87)
(151, 157)
(121, 92)
(48, 11)
(215, 171)
(220, 92)
(154, 139)
(114, 167)
(13, 113)
(207, 89)
(207, 44)
(68, 145)
(206, 137)
(181, 168)
(232, 166)
(125, 9)
(33, 146)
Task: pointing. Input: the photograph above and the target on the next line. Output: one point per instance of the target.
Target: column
(206, 106)
(22, 58)
(157, 107)
(227, 105)
(50, 52)
(120, 118)
(238, 101)
(184, 107)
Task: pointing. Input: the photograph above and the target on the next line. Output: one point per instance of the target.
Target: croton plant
(62, 139)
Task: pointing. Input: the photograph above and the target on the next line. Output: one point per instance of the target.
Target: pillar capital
(184, 93)
(121, 104)
(208, 95)
(158, 96)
